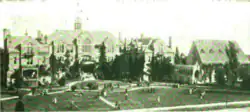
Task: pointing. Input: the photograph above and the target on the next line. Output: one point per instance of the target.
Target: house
(82, 44)
(209, 54)
(23, 51)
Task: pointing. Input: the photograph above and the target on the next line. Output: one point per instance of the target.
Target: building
(209, 54)
(23, 51)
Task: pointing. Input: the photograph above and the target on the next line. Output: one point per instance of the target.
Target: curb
(184, 107)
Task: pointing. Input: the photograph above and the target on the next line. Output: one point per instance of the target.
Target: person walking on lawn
(126, 94)
(19, 105)
(202, 94)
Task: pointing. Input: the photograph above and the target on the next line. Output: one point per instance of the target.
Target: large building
(209, 54)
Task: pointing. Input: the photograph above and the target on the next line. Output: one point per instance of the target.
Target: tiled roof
(213, 51)
(16, 40)
(68, 36)
(145, 40)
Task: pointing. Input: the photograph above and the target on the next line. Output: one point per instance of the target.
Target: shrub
(245, 84)
(62, 81)
(73, 88)
(92, 86)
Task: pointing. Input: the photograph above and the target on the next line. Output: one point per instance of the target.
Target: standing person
(126, 94)
(159, 99)
(19, 105)
(202, 94)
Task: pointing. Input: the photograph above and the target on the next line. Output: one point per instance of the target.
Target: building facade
(210, 54)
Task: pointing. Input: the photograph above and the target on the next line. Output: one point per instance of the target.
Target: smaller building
(209, 54)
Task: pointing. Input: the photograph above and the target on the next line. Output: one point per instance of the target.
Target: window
(29, 48)
(15, 60)
(211, 51)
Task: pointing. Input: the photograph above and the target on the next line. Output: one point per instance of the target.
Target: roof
(213, 51)
(16, 40)
(145, 40)
(68, 36)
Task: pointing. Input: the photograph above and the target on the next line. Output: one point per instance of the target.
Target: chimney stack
(5, 32)
(170, 42)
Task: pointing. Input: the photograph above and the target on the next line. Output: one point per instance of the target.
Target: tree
(233, 62)
(183, 59)
(177, 58)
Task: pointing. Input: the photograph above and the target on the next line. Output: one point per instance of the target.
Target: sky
(183, 20)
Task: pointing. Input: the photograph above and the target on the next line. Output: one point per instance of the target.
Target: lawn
(88, 102)
(171, 97)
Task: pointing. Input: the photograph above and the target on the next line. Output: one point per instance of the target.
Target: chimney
(5, 32)
(45, 39)
(120, 36)
(170, 42)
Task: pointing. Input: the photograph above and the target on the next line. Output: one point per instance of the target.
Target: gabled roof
(213, 51)
(145, 40)
(68, 36)
(17, 40)
(100, 36)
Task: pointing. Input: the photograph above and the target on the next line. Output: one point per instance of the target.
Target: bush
(245, 84)
(62, 81)
(92, 86)
(73, 88)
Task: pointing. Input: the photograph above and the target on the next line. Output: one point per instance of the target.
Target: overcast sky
(184, 20)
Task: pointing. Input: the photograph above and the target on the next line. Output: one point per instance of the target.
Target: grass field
(88, 102)
(171, 97)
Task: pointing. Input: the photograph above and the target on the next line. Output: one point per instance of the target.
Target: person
(190, 91)
(117, 105)
(202, 94)
(55, 100)
(126, 94)
(158, 99)
(19, 105)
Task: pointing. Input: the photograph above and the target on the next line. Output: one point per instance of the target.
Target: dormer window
(211, 51)
(202, 51)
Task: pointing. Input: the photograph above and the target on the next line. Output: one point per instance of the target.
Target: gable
(213, 51)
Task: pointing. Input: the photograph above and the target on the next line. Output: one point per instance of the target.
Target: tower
(78, 20)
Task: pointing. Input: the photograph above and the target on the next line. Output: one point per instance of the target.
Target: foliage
(177, 58)
(233, 62)
(92, 86)
(183, 59)
(19, 106)
(73, 88)
(62, 81)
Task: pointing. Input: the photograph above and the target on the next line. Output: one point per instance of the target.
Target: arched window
(15, 60)
(86, 45)
(29, 48)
